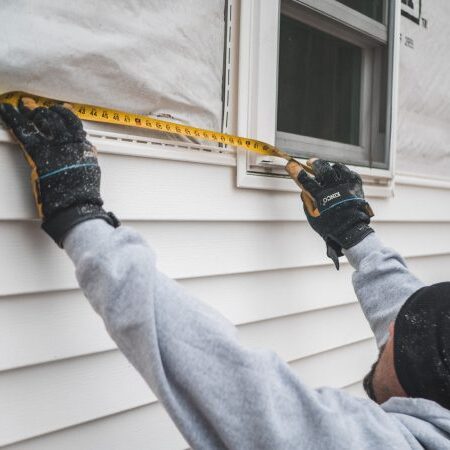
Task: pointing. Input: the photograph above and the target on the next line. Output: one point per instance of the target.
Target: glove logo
(326, 199)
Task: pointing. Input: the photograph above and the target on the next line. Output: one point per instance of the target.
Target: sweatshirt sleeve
(382, 283)
(220, 394)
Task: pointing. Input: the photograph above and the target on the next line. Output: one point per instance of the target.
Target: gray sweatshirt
(222, 395)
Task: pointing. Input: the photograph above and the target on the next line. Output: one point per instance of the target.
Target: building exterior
(225, 224)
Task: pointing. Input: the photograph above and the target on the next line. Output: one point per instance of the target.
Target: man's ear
(391, 329)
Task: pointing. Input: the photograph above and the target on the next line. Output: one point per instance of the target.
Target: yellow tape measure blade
(94, 113)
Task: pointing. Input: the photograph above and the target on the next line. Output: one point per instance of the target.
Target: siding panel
(200, 192)
(29, 323)
(51, 396)
(63, 384)
(108, 382)
(146, 427)
(184, 250)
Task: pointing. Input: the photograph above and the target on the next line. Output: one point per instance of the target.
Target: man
(220, 394)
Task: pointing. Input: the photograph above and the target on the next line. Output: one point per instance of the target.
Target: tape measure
(94, 113)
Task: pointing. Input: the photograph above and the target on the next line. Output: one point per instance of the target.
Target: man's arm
(336, 209)
(220, 394)
(382, 283)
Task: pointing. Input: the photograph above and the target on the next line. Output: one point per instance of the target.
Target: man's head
(415, 361)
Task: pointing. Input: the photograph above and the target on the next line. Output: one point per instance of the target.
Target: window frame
(257, 93)
(368, 108)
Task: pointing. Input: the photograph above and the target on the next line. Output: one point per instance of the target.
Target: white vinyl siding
(248, 253)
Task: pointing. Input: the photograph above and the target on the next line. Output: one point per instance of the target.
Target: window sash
(369, 96)
(331, 150)
(348, 17)
(302, 98)
(371, 7)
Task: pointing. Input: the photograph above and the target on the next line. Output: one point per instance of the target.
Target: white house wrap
(249, 253)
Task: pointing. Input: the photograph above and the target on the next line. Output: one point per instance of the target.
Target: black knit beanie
(422, 344)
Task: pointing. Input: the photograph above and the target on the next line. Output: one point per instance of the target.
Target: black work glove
(334, 204)
(65, 173)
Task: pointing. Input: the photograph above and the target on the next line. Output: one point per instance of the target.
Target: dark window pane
(319, 84)
(371, 8)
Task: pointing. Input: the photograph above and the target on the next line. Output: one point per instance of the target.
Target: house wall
(248, 253)
(424, 103)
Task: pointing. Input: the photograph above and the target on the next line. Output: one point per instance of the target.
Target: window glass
(371, 8)
(319, 84)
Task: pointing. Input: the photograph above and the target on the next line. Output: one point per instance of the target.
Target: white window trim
(257, 93)
(144, 147)
(414, 179)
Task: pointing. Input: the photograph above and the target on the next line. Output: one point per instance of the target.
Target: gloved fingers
(24, 130)
(309, 184)
(294, 168)
(310, 161)
(72, 122)
(12, 118)
(343, 172)
(50, 124)
(352, 178)
(325, 175)
(346, 174)
(26, 107)
(41, 123)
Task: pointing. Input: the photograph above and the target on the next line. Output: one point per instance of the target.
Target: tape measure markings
(94, 113)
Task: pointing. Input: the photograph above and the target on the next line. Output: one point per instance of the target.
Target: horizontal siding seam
(74, 425)
(358, 341)
(238, 325)
(155, 401)
(343, 263)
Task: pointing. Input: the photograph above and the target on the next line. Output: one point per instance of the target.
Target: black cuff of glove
(334, 249)
(58, 226)
(355, 236)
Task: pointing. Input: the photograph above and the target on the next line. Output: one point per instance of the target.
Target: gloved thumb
(309, 204)
(297, 173)
(293, 168)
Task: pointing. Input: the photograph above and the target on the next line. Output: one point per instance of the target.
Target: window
(319, 84)
(371, 8)
(324, 87)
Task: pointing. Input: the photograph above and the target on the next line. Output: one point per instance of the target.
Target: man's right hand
(334, 204)
(65, 173)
